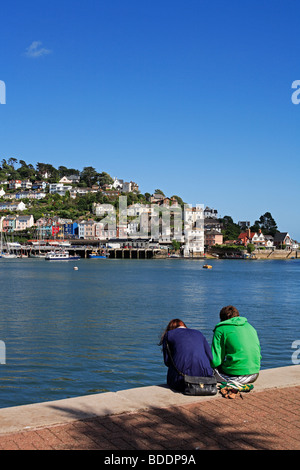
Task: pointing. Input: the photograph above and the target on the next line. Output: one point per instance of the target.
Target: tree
(105, 179)
(26, 171)
(266, 224)
(250, 247)
(176, 245)
(89, 175)
(230, 230)
(179, 200)
(159, 191)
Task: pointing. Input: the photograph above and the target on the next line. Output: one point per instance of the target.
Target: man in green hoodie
(235, 348)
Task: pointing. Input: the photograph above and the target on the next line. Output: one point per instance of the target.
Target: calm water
(69, 333)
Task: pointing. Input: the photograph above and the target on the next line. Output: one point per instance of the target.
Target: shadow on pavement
(210, 425)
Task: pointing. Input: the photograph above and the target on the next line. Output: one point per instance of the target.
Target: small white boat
(8, 255)
(60, 255)
(96, 255)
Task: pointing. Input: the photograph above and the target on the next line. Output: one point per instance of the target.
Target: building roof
(249, 235)
(280, 236)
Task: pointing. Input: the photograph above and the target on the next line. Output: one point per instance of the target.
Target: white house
(59, 188)
(258, 239)
(193, 215)
(72, 179)
(26, 184)
(30, 195)
(135, 210)
(14, 184)
(24, 221)
(101, 209)
(117, 184)
(130, 187)
(12, 206)
(210, 213)
(193, 242)
(269, 241)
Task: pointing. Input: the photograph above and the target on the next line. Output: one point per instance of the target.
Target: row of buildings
(162, 220)
(39, 189)
(158, 222)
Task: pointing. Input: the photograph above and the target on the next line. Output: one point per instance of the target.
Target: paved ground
(262, 420)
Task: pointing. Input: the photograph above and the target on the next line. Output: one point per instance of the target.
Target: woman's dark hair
(228, 312)
(172, 325)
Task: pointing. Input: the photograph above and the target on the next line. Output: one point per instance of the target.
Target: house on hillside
(24, 222)
(59, 188)
(8, 223)
(281, 239)
(12, 206)
(212, 237)
(210, 213)
(269, 241)
(156, 198)
(14, 184)
(258, 239)
(72, 179)
(39, 185)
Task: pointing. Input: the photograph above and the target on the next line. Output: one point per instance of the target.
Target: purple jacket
(191, 355)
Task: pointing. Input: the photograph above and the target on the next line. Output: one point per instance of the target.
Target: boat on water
(207, 266)
(8, 255)
(96, 255)
(60, 255)
(37, 255)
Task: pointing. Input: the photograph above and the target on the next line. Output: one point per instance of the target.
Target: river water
(96, 329)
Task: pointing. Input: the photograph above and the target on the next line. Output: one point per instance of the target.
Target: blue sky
(192, 97)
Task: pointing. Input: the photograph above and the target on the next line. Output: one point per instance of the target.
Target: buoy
(75, 268)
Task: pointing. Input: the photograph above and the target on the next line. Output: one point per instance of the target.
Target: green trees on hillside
(231, 230)
(266, 224)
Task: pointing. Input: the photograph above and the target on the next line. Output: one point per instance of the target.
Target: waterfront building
(282, 239)
(247, 237)
(8, 223)
(212, 237)
(193, 242)
(24, 222)
(70, 229)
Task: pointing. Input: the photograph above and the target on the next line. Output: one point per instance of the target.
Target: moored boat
(96, 255)
(60, 255)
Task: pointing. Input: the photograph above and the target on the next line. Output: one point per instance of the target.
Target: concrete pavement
(155, 418)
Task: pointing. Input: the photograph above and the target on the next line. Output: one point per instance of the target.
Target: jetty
(157, 419)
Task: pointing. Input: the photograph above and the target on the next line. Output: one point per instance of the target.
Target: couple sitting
(234, 355)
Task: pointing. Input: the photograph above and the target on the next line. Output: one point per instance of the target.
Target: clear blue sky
(192, 97)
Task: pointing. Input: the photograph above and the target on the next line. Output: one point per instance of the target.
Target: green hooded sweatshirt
(235, 347)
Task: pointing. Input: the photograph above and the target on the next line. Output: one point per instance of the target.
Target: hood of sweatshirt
(235, 321)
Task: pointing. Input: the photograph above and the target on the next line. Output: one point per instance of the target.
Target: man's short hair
(228, 312)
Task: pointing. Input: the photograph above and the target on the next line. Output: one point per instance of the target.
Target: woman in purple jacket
(190, 352)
